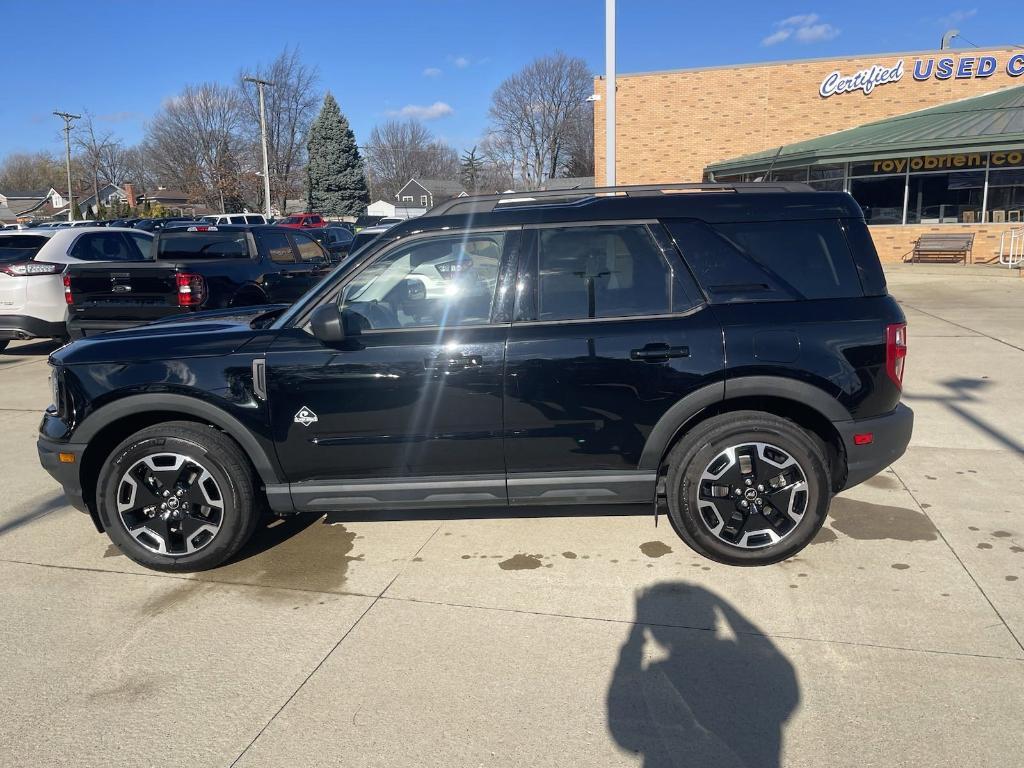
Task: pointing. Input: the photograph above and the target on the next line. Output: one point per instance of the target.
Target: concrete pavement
(895, 639)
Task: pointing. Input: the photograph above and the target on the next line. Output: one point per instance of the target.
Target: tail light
(895, 351)
(68, 298)
(191, 289)
(28, 268)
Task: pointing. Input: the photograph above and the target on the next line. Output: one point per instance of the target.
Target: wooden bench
(941, 247)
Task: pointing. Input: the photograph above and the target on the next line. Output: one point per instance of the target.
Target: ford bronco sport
(727, 352)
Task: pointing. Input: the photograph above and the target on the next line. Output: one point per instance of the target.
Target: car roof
(32, 231)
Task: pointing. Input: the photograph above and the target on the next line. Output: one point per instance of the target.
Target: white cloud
(803, 27)
(958, 17)
(429, 112)
(815, 33)
(461, 62)
(431, 72)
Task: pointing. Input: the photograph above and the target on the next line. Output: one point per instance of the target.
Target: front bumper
(65, 473)
(890, 436)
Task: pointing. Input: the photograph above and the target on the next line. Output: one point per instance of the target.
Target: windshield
(185, 245)
(20, 247)
(291, 220)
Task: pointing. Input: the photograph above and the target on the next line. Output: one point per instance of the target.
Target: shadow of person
(716, 694)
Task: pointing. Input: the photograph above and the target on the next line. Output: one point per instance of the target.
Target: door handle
(653, 353)
(453, 361)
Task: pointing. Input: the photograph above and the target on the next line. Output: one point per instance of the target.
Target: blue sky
(437, 58)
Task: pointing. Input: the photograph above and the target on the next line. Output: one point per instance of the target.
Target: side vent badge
(305, 417)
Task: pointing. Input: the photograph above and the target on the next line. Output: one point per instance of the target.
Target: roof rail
(489, 203)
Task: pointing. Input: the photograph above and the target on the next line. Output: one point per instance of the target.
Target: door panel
(609, 333)
(406, 412)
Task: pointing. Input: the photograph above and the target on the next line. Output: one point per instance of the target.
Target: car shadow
(43, 347)
(709, 690)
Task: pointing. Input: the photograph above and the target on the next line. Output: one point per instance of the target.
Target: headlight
(55, 387)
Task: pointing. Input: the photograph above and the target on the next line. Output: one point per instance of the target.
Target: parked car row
(130, 276)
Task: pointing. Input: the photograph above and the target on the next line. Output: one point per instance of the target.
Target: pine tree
(335, 181)
(470, 169)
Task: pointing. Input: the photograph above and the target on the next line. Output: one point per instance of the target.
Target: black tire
(696, 513)
(201, 448)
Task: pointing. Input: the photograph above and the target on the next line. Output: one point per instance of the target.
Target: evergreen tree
(335, 181)
(470, 169)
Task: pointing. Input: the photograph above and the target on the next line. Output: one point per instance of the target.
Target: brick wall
(671, 125)
(894, 242)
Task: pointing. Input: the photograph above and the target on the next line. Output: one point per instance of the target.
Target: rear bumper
(80, 328)
(890, 436)
(25, 327)
(65, 473)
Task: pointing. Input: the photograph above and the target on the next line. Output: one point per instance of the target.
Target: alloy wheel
(752, 495)
(170, 504)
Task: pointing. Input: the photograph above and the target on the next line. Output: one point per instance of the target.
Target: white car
(235, 218)
(32, 262)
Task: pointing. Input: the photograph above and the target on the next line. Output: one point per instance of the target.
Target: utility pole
(263, 132)
(67, 117)
(609, 86)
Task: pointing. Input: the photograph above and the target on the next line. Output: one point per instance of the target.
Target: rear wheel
(748, 488)
(178, 497)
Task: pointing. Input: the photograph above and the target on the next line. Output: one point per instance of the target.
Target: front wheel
(748, 488)
(178, 496)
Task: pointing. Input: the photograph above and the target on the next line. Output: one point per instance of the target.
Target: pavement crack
(955, 554)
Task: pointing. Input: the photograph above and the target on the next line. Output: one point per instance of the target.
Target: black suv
(728, 352)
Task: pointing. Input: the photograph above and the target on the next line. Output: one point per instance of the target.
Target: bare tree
(533, 115)
(195, 144)
(400, 150)
(291, 104)
(31, 172)
(96, 150)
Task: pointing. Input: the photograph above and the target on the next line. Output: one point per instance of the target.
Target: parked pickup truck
(198, 268)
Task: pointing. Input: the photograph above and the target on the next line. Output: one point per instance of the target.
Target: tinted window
(254, 220)
(309, 250)
(608, 271)
(143, 243)
(339, 236)
(772, 260)
(290, 220)
(102, 246)
(278, 246)
(185, 245)
(443, 281)
(362, 239)
(811, 258)
(20, 247)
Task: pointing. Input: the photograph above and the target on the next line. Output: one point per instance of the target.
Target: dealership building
(926, 142)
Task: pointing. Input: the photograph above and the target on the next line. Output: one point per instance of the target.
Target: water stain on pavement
(1016, 549)
(182, 593)
(886, 482)
(825, 536)
(899, 566)
(984, 545)
(521, 563)
(874, 522)
(112, 551)
(313, 557)
(1002, 534)
(1010, 578)
(569, 555)
(655, 548)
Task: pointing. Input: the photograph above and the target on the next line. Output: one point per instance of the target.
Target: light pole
(263, 132)
(68, 117)
(609, 106)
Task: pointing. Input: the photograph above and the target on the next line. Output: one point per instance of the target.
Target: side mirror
(331, 325)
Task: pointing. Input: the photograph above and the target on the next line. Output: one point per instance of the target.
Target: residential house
(426, 193)
(110, 195)
(169, 199)
(44, 204)
(384, 209)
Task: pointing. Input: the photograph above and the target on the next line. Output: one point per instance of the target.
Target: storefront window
(880, 197)
(945, 198)
(1006, 196)
(789, 174)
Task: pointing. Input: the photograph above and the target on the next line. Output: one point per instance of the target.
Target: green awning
(992, 121)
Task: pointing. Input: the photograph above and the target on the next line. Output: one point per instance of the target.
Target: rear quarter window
(20, 247)
(181, 246)
(769, 260)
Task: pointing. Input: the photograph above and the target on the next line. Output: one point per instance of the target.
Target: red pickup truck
(302, 221)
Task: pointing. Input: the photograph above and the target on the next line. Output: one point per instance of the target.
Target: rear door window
(103, 246)
(278, 246)
(769, 260)
(309, 250)
(202, 245)
(598, 271)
